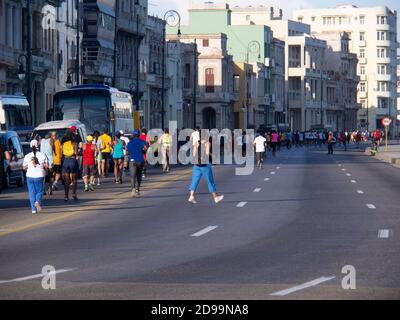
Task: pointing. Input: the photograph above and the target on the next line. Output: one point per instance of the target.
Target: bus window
(95, 112)
(70, 107)
(17, 117)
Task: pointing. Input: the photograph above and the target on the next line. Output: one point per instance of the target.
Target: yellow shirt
(57, 154)
(106, 141)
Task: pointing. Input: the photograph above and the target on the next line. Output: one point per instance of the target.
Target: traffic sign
(386, 122)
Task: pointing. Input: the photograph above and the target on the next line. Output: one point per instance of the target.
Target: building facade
(278, 92)
(373, 38)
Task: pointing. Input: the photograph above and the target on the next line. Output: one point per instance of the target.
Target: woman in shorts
(118, 157)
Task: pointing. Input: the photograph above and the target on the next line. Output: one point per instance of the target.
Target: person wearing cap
(46, 147)
(135, 149)
(57, 155)
(89, 163)
(35, 164)
(70, 165)
(118, 146)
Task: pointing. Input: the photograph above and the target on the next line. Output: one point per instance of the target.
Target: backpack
(68, 149)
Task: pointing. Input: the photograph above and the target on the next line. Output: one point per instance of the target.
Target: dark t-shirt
(135, 149)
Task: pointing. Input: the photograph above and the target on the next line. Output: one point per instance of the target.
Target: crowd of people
(54, 161)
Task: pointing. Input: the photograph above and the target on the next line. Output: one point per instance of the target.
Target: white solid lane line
(257, 190)
(371, 206)
(204, 231)
(36, 276)
(384, 234)
(360, 192)
(241, 204)
(306, 285)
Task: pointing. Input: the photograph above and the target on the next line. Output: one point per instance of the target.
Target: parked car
(14, 173)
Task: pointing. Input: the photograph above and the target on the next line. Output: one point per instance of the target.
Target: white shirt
(38, 171)
(195, 137)
(260, 143)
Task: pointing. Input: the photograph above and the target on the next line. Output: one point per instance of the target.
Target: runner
(143, 137)
(165, 143)
(203, 168)
(70, 164)
(57, 155)
(135, 149)
(118, 157)
(331, 140)
(90, 152)
(126, 160)
(274, 142)
(99, 166)
(35, 165)
(260, 143)
(105, 150)
(47, 147)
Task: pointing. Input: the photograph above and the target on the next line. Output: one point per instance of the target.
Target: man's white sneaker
(192, 200)
(218, 199)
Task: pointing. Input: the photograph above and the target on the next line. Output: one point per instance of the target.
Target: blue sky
(159, 7)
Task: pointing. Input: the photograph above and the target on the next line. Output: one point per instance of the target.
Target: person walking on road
(57, 156)
(4, 155)
(260, 144)
(105, 150)
(89, 151)
(203, 168)
(70, 166)
(331, 140)
(118, 156)
(47, 148)
(99, 162)
(165, 143)
(135, 149)
(274, 142)
(35, 165)
(143, 136)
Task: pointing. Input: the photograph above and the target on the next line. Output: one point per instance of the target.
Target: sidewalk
(391, 156)
(16, 216)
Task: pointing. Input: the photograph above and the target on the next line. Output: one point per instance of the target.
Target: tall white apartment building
(304, 74)
(373, 37)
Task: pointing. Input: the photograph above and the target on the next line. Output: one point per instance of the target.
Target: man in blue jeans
(134, 150)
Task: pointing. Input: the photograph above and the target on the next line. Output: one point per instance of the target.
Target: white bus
(97, 106)
(15, 115)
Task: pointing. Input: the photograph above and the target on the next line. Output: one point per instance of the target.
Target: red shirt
(88, 154)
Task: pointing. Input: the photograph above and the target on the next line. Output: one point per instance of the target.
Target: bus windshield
(17, 116)
(91, 108)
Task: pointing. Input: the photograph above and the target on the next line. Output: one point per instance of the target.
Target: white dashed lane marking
(36, 276)
(370, 206)
(266, 179)
(204, 231)
(360, 192)
(241, 204)
(306, 285)
(353, 181)
(384, 234)
(348, 174)
(273, 172)
(257, 190)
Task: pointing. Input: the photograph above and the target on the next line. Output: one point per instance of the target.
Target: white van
(60, 127)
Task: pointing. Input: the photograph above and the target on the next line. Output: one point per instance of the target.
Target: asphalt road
(285, 232)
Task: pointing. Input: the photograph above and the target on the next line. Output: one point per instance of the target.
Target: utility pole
(163, 78)
(78, 42)
(115, 43)
(29, 62)
(138, 40)
(195, 84)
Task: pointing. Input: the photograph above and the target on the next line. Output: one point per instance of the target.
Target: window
(248, 18)
(362, 53)
(362, 86)
(381, 20)
(312, 19)
(381, 53)
(210, 80)
(362, 70)
(236, 83)
(362, 20)
(206, 43)
(362, 36)
(383, 86)
(382, 103)
(382, 35)
(382, 69)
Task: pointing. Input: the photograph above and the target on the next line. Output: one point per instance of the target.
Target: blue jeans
(35, 189)
(205, 172)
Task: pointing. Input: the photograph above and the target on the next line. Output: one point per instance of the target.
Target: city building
(181, 70)
(373, 37)
(215, 96)
(246, 43)
(278, 83)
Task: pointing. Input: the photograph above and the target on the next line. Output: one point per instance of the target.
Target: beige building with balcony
(215, 96)
(373, 38)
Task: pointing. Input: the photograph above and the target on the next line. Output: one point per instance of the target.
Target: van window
(14, 145)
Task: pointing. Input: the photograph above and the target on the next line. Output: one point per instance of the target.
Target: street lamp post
(173, 19)
(78, 39)
(195, 84)
(255, 48)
